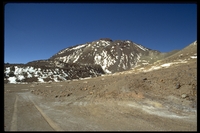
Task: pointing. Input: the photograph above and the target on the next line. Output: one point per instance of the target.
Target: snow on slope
(21, 74)
(141, 47)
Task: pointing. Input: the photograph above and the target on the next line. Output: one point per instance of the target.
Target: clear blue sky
(38, 31)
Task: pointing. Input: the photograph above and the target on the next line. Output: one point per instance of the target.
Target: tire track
(14, 117)
(49, 120)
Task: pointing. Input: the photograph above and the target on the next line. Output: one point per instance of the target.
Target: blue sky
(34, 31)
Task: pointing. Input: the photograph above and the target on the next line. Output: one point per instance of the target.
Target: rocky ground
(158, 100)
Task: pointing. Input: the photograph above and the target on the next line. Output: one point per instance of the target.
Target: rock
(144, 78)
(69, 94)
(184, 96)
(178, 86)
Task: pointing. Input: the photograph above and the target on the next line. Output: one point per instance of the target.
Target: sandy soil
(159, 100)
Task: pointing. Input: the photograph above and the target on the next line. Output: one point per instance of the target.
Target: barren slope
(158, 100)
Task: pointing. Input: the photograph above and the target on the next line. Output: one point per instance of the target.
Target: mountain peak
(112, 56)
(106, 39)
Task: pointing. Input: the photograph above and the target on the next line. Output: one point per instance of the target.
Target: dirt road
(124, 102)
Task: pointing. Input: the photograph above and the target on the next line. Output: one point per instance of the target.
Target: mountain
(112, 56)
(92, 59)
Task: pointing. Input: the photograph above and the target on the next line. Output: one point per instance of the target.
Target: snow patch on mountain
(78, 47)
(193, 57)
(105, 60)
(77, 57)
(166, 65)
(12, 79)
(97, 59)
(40, 80)
(141, 47)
